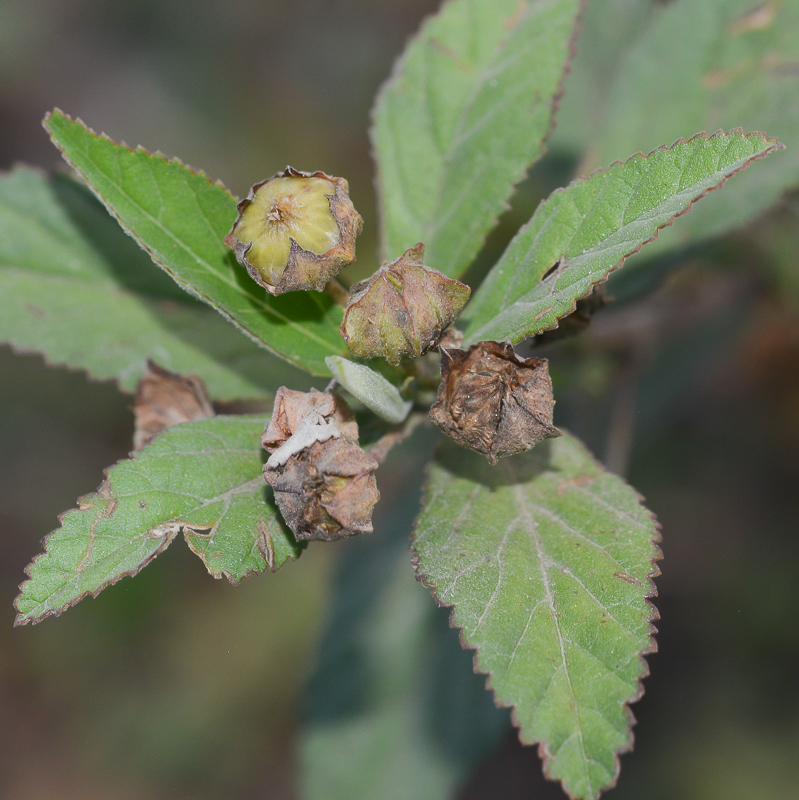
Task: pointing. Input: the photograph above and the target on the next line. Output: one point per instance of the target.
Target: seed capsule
(494, 402)
(323, 481)
(402, 310)
(295, 231)
(164, 398)
(292, 406)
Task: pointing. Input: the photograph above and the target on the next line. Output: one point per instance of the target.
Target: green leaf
(580, 234)
(75, 288)
(371, 388)
(702, 65)
(202, 477)
(547, 560)
(393, 693)
(461, 120)
(180, 218)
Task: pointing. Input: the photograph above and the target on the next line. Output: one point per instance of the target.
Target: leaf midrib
(532, 528)
(204, 502)
(135, 540)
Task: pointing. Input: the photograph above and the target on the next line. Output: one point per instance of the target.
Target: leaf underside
(180, 218)
(204, 478)
(76, 289)
(583, 232)
(462, 118)
(547, 560)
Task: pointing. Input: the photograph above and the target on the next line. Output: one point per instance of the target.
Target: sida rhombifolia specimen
(545, 557)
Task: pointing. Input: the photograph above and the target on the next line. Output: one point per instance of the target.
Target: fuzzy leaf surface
(202, 477)
(462, 118)
(76, 289)
(180, 218)
(583, 232)
(371, 388)
(547, 560)
(705, 65)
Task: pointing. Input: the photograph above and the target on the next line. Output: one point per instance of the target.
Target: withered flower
(295, 231)
(492, 401)
(323, 481)
(164, 398)
(402, 310)
(291, 407)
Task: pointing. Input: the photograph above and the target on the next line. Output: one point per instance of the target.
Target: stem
(381, 448)
(337, 293)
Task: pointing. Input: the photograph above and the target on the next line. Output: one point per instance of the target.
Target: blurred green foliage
(174, 685)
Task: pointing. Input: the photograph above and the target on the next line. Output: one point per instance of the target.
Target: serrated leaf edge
(138, 149)
(83, 500)
(168, 528)
(396, 75)
(183, 284)
(543, 751)
(775, 145)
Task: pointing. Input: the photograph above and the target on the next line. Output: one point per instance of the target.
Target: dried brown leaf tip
(164, 398)
(492, 401)
(402, 310)
(323, 481)
(295, 231)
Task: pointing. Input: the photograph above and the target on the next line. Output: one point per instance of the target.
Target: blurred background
(175, 685)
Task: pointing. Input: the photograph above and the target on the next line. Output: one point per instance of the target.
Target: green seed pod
(402, 310)
(295, 231)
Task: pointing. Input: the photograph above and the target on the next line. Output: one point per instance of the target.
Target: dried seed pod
(402, 310)
(492, 401)
(164, 398)
(295, 231)
(291, 407)
(323, 481)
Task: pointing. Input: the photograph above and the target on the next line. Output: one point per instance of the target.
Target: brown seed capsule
(164, 398)
(295, 231)
(492, 401)
(323, 481)
(402, 310)
(292, 406)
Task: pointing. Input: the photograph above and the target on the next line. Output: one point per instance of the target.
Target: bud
(295, 231)
(492, 401)
(322, 479)
(402, 310)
